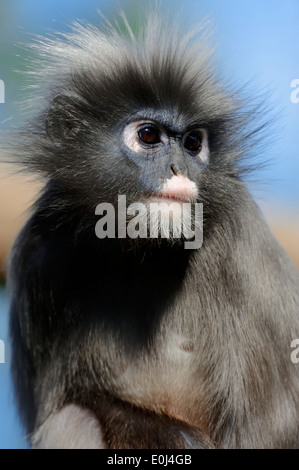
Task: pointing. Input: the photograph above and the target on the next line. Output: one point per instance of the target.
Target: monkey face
(169, 157)
(133, 119)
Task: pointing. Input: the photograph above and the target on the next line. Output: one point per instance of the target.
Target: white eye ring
(132, 139)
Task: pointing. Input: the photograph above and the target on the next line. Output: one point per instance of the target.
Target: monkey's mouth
(178, 189)
(170, 199)
(170, 207)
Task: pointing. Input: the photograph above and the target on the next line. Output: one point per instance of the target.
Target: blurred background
(256, 48)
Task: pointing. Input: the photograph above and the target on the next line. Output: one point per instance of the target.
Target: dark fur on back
(100, 325)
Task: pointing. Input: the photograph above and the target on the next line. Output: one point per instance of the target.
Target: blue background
(257, 45)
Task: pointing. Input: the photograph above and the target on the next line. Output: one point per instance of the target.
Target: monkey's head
(142, 117)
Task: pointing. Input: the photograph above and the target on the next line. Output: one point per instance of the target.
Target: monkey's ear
(64, 120)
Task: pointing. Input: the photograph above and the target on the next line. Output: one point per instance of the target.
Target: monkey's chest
(165, 380)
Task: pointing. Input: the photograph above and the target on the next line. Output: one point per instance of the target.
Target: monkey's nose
(174, 169)
(178, 168)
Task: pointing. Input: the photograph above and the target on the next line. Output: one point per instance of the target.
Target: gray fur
(164, 347)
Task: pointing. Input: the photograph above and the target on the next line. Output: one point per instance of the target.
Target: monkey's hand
(127, 427)
(116, 426)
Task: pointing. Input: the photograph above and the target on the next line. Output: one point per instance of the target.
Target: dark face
(165, 149)
(150, 153)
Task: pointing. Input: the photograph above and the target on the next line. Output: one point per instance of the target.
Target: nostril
(174, 169)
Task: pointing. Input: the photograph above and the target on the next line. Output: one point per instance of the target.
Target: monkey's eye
(193, 142)
(150, 135)
(144, 136)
